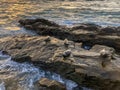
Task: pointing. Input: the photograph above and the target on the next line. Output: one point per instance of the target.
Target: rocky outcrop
(86, 67)
(90, 34)
(47, 84)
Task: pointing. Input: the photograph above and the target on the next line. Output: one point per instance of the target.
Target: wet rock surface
(86, 67)
(88, 33)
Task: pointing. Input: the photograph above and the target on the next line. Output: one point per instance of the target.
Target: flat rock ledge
(67, 58)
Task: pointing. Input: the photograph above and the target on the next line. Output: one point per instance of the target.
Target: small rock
(66, 54)
(51, 84)
(66, 43)
(48, 39)
(105, 54)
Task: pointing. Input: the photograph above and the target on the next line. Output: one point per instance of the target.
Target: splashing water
(2, 87)
(22, 76)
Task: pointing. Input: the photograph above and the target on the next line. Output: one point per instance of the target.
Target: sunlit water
(17, 76)
(65, 12)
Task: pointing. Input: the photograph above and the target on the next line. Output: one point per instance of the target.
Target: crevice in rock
(86, 45)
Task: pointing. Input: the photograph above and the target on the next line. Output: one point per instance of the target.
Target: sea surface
(64, 12)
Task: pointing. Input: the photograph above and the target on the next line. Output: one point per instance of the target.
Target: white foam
(2, 87)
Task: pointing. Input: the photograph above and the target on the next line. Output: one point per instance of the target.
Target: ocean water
(64, 12)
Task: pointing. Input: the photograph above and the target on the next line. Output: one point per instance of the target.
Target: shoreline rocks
(86, 70)
(74, 53)
(87, 33)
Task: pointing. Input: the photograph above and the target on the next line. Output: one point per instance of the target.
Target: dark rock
(87, 26)
(46, 22)
(47, 40)
(78, 88)
(4, 52)
(67, 53)
(91, 33)
(21, 58)
(109, 31)
(27, 21)
(37, 22)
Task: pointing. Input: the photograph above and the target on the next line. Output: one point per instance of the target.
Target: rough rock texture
(47, 84)
(82, 66)
(88, 33)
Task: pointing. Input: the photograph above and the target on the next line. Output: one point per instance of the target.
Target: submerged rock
(86, 69)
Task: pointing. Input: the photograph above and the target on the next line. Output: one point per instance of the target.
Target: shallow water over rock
(22, 76)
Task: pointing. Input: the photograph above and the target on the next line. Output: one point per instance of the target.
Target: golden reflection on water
(14, 10)
(17, 9)
(59, 11)
(11, 13)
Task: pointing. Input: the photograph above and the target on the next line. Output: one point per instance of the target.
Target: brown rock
(51, 84)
